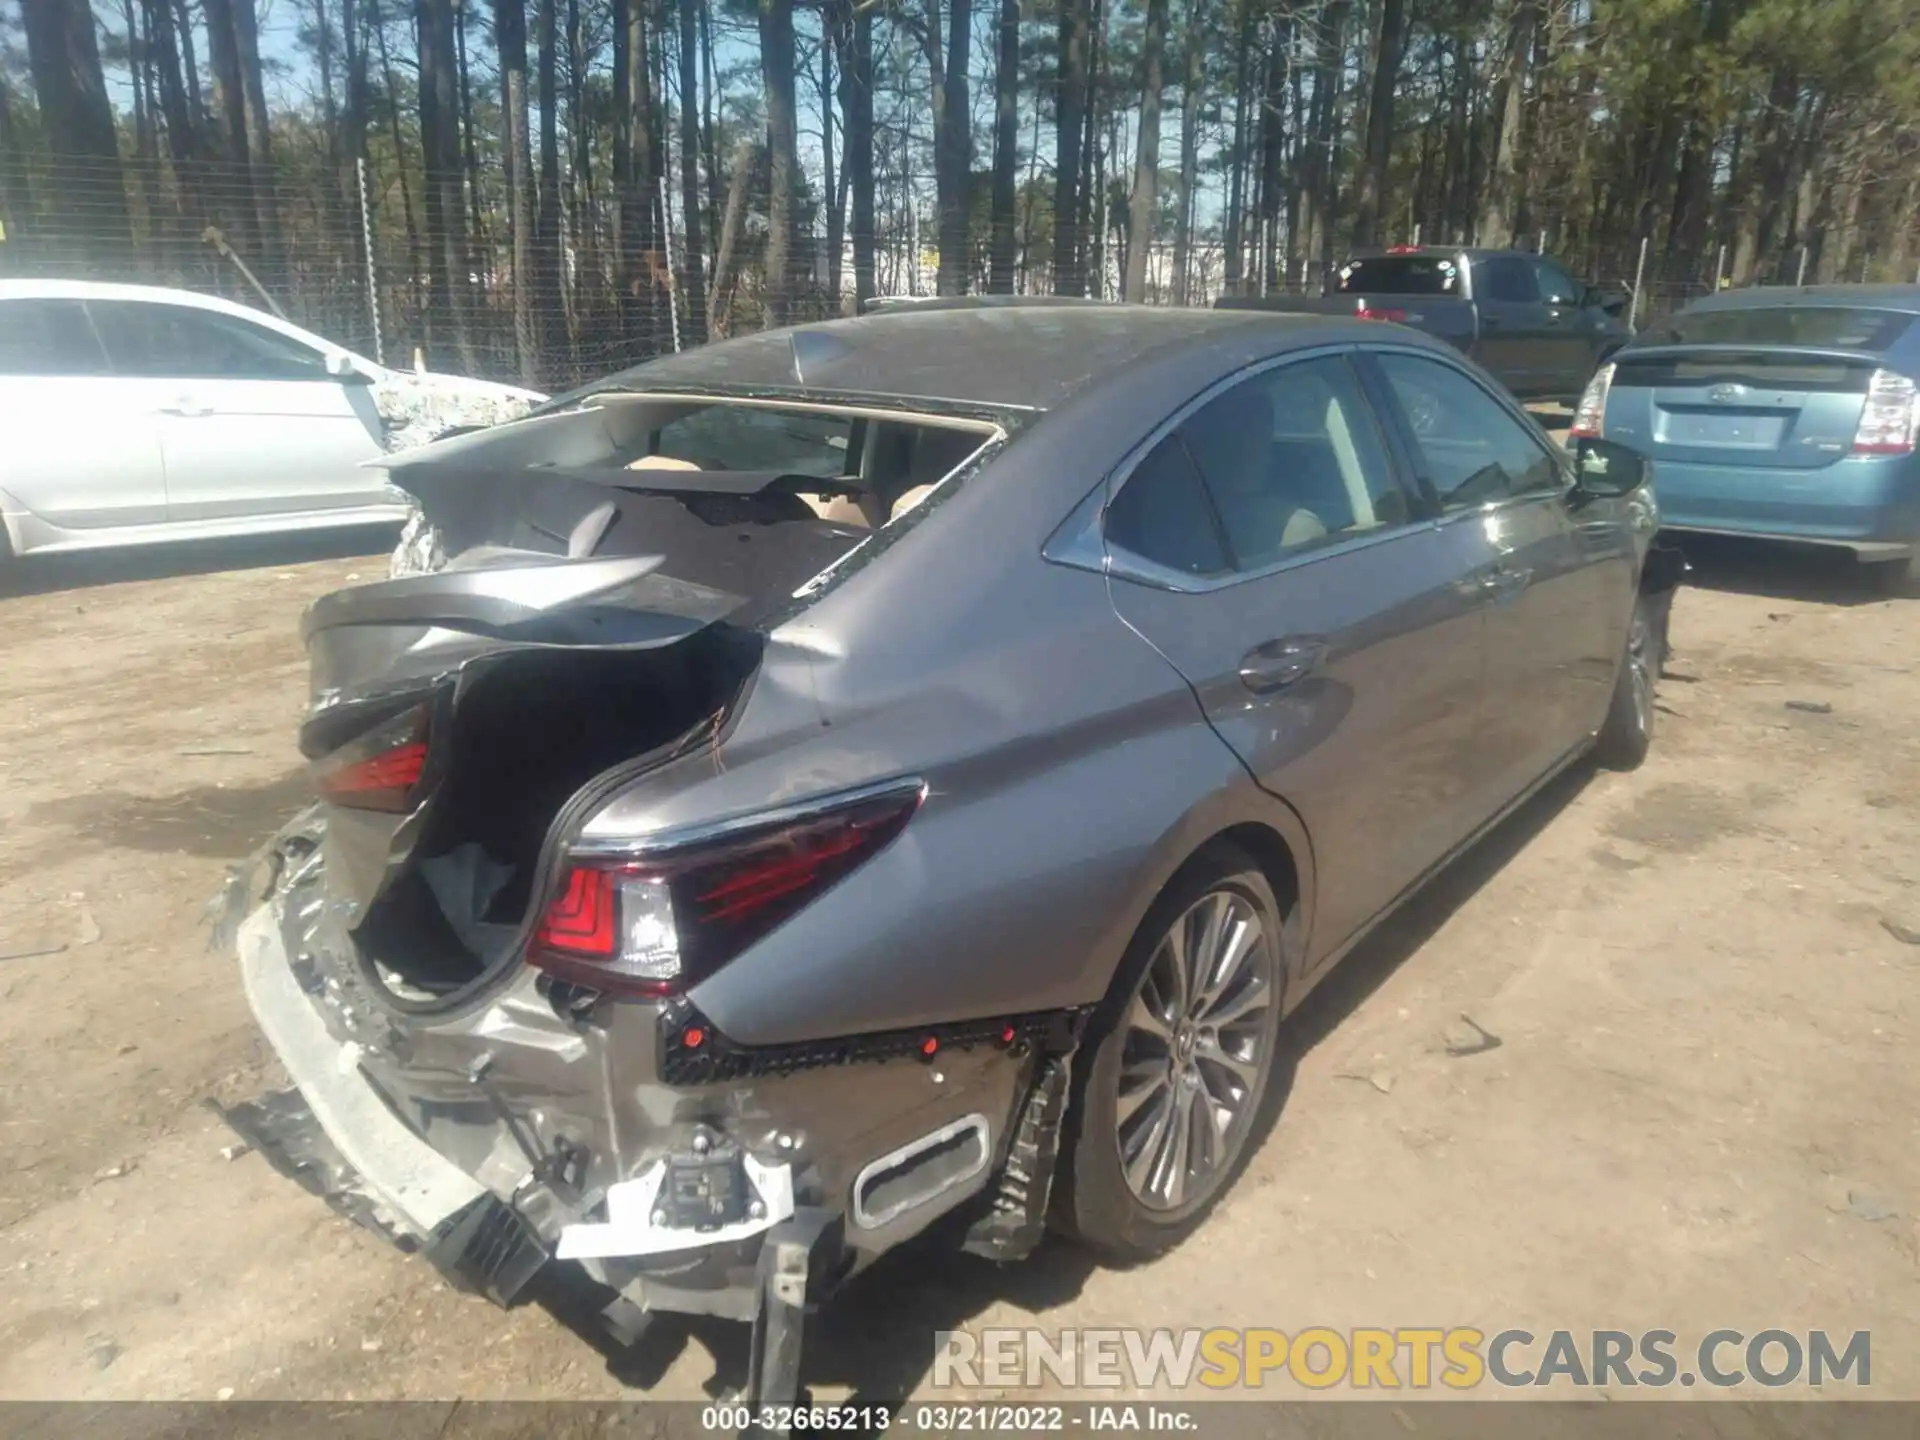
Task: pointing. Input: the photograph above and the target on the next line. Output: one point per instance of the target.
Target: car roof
(108, 290)
(992, 353)
(1773, 297)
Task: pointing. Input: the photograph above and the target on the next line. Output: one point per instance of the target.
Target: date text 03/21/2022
(984, 1419)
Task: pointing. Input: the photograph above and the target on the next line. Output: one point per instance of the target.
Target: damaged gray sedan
(906, 765)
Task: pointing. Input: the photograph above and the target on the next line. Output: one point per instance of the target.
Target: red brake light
(1364, 311)
(1403, 249)
(658, 925)
(580, 921)
(379, 770)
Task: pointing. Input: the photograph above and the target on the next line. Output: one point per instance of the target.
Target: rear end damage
(493, 1032)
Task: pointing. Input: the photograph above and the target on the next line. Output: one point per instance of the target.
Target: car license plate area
(1729, 429)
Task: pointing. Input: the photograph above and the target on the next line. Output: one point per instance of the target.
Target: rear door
(79, 451)
(1559, 581)
(1264, 543)
(1514, 342)
(1570, 345)
(250, 422)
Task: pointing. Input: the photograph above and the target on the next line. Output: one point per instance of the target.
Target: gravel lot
(1703, 1112)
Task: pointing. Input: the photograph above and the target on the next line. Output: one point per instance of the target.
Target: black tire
(1095, 1202)
(1895, 579)
(1627, 735)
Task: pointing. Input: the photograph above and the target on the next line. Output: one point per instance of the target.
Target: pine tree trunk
(1002, 251)
(447, 256)
(516, 144)
(63, 53)
(833, 186)
(268, 258)
(1190, 93)
(856, 109)
(1070, 93)
(693, 243)
(548, 294)
(1145, 206)
(1370, 191)
(733, 221)
(777, 63)
(1504, 200)
(1237, 154)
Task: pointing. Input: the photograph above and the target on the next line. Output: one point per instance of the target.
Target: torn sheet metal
(412, 1182)
(421, 407)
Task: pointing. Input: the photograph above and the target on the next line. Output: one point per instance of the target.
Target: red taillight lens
(379, 770)
(1890, 419)
(659, 925)
(1365, 311)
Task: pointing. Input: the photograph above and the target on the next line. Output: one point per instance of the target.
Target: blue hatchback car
(1783, 414)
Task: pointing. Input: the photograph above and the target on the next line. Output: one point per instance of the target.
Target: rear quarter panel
(1070, 770)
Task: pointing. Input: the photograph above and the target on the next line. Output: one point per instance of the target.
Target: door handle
(1280, 663)
(1489, 322)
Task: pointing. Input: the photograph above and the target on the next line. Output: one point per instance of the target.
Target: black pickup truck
(1523, 316)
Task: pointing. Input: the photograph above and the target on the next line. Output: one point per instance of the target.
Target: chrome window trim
(681, 837)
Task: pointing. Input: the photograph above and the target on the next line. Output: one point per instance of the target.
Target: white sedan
(131, 415)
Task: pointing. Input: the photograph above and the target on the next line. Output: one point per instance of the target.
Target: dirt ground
(1703, 1112)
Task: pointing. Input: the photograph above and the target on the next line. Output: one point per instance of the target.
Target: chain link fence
(408, 268)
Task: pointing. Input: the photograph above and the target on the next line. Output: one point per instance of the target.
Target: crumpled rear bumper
(510, 1134)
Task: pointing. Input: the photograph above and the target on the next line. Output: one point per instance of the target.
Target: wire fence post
(366, 241)
(673, 288)
(1720, 270)
(1800, 278)
(1416, 237)
(1639, 274)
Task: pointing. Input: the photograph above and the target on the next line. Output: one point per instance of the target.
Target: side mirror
(1603, 470)
(1608, 299)
(342, 368)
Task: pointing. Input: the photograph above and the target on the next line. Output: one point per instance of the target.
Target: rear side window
(1292, 460)
(1838, 326)
(1161, 514)
(1400, 275)
(185, 343)
(1505, 277)
(48, 337)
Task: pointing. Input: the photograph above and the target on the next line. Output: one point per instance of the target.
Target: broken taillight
(658, 925)
(378, 770)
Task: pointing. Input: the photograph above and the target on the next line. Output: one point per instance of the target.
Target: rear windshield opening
(882, 465)
(1400, 275)
(1835, 326)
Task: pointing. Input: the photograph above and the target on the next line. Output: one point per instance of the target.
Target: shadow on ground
(878, 1336)
(1818, 574)
(221, 822)
(78, 570)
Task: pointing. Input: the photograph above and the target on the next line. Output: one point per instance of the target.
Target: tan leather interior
(840, 509)
(661, 462)
(912, 498)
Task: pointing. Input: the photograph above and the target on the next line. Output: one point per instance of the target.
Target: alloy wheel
(1195, 1046)
(1640, 667)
